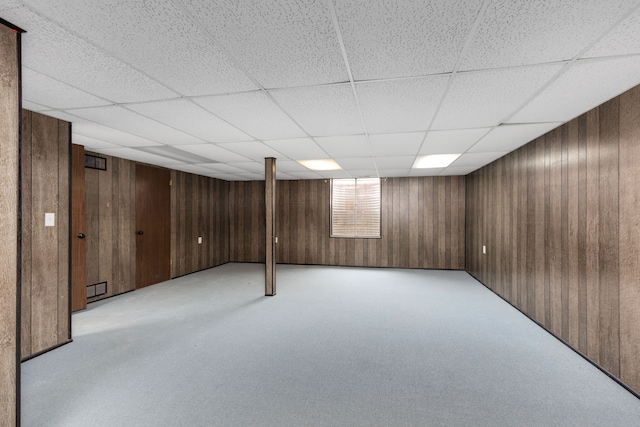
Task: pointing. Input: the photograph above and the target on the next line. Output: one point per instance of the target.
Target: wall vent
(96, 289)
(95, 162)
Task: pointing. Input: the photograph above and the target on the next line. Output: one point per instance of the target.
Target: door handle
(81, 236)
(139, 232)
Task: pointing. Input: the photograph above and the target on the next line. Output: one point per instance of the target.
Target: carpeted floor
(336, 347)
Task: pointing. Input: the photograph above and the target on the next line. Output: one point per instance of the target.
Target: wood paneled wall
(9, 226)
(110, 221)
(199, 208)
(560, 220)
(422, 225)
(45, 263)
(246, 221)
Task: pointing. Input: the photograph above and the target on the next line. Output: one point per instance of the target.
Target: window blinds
(355, 207)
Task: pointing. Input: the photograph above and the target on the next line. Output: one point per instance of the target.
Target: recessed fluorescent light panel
(320, 165)
(435, 161)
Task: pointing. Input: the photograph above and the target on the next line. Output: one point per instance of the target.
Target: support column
(270, 238)
(10, 224)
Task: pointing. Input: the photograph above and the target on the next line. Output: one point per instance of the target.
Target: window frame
(355, 224)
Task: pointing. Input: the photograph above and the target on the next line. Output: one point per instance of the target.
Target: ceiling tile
(128, 121)
(231, 177)
(322, 111)
(63, 115)
(174, 153)
(483, 99)
(298, 148)
(153, 36)
(452, 171)
(394, 162)
(198, 170)
(283, 176)
(191, 119)
(255, 113)
(254, 150)
(110, 135)
(360, 163)
(88, 142)
(522, 32)
(566, 98)
(345, 146)
(221, 167)
(396, 144)
(623, 40)
(254, 167)
(137, 155)
(386, 39)
(400, 105)
(363, 173)
(61, 55)
(304, 175)
(54, 94)
(333, 174)
(476, 159)
(282, 43)
(213, 152)
(389, 173)
(426, 172)
(32, 106)
(511, 137)
(451, 141)
(290, 166)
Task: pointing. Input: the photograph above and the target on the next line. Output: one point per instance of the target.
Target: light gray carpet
(336, 347)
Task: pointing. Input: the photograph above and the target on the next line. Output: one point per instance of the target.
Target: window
(355, 207)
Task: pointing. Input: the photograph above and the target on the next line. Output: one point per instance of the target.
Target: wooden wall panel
(246, 221)
(199, 208)
(568, 257)
(45, 281)
(422, 225)
(9, 226)
(110, 220)
(629, 238)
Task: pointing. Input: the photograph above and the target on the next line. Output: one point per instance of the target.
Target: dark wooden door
(153, 225)
(78, 230)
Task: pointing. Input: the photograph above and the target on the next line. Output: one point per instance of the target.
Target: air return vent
(95, 162)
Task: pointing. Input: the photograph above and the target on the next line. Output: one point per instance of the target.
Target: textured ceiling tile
(398, 144)
(8, 4)
(137, 155)
(390, 173)
(451, 141)
(511, 137)
(213, 152)
(89, 142)
(290, 166)
(567, 97)
(254, 167)
(304, 175)
(363, 173)
(623, 40)
(484, 99)
(395, 162)
(400, 105)
(426, 172)
(284, 176)
(43, 90)
(333, 174)
(345, 146)
(32, 106)
(526, 32)
(198, 170)
(282, 43)
(62, 115)
(386, 39)
(254, 150)
(221, 167)
(231, 177)
(322, 111)
(191, 119)
(158, 37)
(61, 55)
(476, 159)
(254, 113)
(110, 135)
(452, 171)
(356, 163)
(298, 149)
(136, 124)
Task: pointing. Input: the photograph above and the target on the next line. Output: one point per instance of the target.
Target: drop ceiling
(214, 86)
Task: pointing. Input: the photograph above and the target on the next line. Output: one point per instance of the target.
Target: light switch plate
(49, 219)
